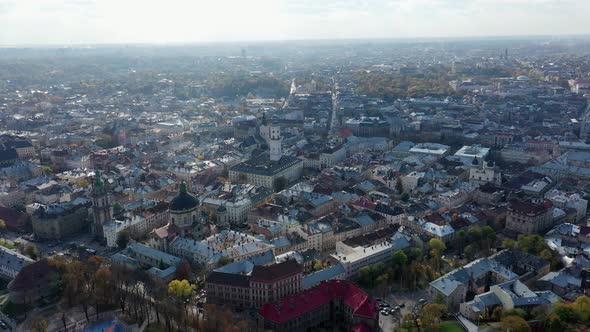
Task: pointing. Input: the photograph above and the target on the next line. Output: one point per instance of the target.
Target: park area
(451, 326)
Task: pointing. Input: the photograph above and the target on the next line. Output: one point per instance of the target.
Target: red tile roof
(311, 299)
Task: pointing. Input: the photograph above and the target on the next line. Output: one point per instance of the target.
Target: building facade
(102, 206)
(529, 217)
(256, 285)
(185, 214)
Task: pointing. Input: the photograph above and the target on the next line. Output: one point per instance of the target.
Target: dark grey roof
(264, 166)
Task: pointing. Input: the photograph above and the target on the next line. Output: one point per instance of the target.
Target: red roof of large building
(311, 299)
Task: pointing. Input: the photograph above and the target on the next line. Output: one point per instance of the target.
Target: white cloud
(112, 21)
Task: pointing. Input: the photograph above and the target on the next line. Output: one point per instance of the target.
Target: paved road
(467, 324)
(389, 323)
(410, 299)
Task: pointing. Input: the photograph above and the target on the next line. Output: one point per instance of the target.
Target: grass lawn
(7, 244)
(451, 326)
(155, 327)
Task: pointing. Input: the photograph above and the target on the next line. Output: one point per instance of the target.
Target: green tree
(117, 208)
(475, 233)
(317, 265)
(431, 314)
(102, 287)
(180, 289)
(405, 197)
(532, 244)
(469, 252)
(498, 313)
(47, 170)
(439, 299)
(514, 324)
(535, 245)
(489, 237)
(437, 247)
(2, 227)
(224, 260)
(83, 183)
(515, 312)
(553, 323)
(400, 260)
(31, 251)
(546, 254)
(582, 307)
(39, 325)
(409, 323)
(509, 244)
(415, 254)
(565, 311)
(461, 240)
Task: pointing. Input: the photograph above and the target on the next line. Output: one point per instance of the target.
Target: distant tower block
(506, 54)
(274, 142)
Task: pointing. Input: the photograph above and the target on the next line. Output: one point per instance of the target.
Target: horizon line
(262, 41)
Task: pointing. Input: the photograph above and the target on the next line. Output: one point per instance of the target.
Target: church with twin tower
(266, 169)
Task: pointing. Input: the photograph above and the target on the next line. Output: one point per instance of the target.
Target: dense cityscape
(296, 186)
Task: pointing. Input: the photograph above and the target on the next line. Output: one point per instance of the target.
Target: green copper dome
(183, 201)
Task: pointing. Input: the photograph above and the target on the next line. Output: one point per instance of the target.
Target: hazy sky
(172, 21)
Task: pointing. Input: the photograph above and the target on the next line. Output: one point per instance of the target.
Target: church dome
(183, 201)
(221, 208)
(475, 162)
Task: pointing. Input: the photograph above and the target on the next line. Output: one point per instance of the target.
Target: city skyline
(70, 22)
